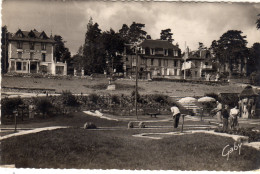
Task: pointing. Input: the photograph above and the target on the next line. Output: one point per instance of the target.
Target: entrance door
(33, 67)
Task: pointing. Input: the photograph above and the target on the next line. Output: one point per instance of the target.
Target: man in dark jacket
(225, 115)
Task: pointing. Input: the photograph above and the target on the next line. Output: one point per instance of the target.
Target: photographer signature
(227, 150)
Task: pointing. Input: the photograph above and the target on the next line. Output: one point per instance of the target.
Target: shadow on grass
(118, 149)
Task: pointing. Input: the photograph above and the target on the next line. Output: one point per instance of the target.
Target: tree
(4, 48)
(231, 48)
(254, 58)
(258, 22)
(136, 32)
(113, 44)
(61, 53)
(124, 33)
(166, 35)
(93, 52)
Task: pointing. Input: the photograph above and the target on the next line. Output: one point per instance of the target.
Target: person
(225, 115)
(176, 116)
(219, 110)
(233, 117)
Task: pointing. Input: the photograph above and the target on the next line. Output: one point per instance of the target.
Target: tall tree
(136, 32)
(61, 53)
(114, 45)
(166, 35)
(258, 22)
(254, 58)
(93, 52)
(4, 48)
(124, 33)
(231, 48)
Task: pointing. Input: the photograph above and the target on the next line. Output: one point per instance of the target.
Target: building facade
(197, 64)
(32, 52)
(155, 58)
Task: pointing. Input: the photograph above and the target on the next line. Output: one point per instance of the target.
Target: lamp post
(136, 75)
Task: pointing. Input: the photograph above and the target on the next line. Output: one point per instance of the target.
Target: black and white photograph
(130, 85)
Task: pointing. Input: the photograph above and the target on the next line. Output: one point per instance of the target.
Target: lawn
(97, 85)
(118, 149)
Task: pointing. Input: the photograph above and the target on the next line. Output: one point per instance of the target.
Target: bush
(43, 105)
(115, 99)
(89, 125)
(255, 78)
(130, 125)
(68, 98)
(10, 104)
(93, 98)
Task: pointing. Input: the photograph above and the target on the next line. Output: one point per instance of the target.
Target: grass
(125, 86)
(79, 148)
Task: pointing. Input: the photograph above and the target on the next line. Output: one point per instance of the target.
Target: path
(31, 131)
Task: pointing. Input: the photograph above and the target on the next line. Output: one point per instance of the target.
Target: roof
(248, 92)
(32, 35)
(195, 55)
(158, 44)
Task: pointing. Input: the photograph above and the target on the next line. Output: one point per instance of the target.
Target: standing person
(176, 116)
(233, 117)
(219, 110)
(225, 115)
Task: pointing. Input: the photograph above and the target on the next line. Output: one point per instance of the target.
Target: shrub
(43, 105)
(138, 96)
(141, 125)
(255, 78)
(115, 99)
(10, 104)
(130, 125)
(93, 98)
(89, 125)
(68, 98)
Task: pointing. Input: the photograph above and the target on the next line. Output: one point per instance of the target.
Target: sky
(190, 22)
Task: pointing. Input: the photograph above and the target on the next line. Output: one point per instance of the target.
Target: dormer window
(152, 51)
(165, 51)
(175, 53)
(43, 46)
(142, 51)
(20, 35)
(19, 45)
(31, 46)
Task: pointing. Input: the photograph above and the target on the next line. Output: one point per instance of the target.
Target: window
(151, 61)
(19, 55)
(166, 62)
(175, 63)
(142, 51)
(31, 55)
(152, 51)
(19, 45)
(43, 46)
(126, 59)
(20, 35)
(43, 57)
(24, 66)
(31, 46)
(18, 66)
(175, 72)
(143, 61)
(160, 63)
(206, 63)
(175, 53)
(165, 52)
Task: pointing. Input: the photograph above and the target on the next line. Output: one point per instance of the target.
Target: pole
(136, 83)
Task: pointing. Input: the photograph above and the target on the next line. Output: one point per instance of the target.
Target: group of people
(227, 116)
(224, 114)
